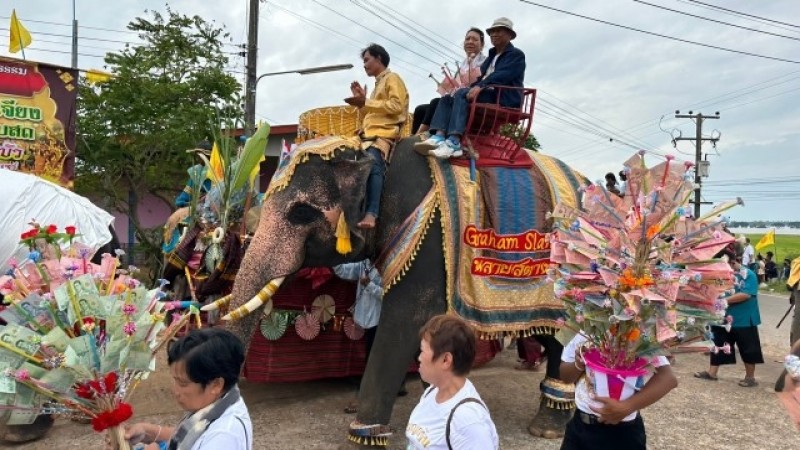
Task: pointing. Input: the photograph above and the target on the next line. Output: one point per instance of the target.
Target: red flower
(109, 419)
(84, 391)
(70, 230)
(51, 229)
(111, 382)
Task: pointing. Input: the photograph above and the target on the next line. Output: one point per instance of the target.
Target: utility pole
(74, 37)
(250, 82)
(698, 142)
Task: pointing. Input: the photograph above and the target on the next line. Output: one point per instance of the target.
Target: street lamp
(250, 98)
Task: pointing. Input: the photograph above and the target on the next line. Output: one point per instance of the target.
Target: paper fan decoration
(307, 326)
(324, 308)
(273, 326)
(352, 330)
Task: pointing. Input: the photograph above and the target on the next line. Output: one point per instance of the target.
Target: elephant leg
(407, 306)
(557, 402)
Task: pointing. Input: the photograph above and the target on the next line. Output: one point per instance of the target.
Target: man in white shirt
(748, 257)
(605, 423)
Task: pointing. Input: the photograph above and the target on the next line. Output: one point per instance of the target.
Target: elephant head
(298, 229)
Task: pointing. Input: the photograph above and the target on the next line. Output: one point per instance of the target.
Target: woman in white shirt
(450, 414)
(205, 367)
(468, 73)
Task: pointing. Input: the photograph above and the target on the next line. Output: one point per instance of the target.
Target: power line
(716, 21)
(433, 48)
(744, 14)
(427, 31)
(61, 24)
(760, 22)
(686, 41)
(375, 32)
(421, 72)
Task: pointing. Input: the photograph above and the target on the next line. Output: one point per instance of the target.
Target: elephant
(298, 228)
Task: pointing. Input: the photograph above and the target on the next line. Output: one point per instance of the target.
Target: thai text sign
(37, 119)
(526, 242)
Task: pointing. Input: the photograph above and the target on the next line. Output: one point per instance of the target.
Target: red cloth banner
(37, 119)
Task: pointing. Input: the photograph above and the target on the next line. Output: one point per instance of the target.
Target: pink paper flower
(129, 328)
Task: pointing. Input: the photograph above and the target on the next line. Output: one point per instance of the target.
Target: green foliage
(786, 246)
(515, 132)
(167, 94)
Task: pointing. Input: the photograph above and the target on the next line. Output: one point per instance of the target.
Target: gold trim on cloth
(560, 188)
(402, 254)
(324, 147)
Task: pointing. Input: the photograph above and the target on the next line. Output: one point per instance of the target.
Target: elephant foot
(555, 409)
(364, 436)
(17, 434)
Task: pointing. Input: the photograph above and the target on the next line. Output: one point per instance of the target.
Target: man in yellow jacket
(384, 114)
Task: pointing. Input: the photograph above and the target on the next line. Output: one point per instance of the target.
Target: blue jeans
(375, 181)
(453, 111)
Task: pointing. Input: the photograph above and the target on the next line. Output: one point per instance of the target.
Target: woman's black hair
(377, 51)
(480, 33)
(208, 354)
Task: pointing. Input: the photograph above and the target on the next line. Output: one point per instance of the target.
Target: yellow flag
(95, 76)
(767, 240)
(19, 37)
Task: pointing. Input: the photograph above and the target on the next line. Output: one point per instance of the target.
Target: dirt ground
(697, 415)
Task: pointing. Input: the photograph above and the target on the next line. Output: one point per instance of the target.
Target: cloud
(617, 82)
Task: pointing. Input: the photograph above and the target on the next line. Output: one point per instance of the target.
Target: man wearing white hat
(505, 66)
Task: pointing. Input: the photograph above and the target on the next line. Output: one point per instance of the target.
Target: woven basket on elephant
(335, 121)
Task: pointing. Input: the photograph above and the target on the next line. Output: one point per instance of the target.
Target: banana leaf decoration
(251, 156)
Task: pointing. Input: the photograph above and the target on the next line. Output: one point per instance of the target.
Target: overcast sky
(596, 82)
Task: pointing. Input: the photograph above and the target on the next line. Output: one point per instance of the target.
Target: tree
(514, 131)
(167, 94)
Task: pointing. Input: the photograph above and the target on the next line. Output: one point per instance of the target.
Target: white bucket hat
(503, 22)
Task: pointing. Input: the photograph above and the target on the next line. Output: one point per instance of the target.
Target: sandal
(748, 382)
(704, 375)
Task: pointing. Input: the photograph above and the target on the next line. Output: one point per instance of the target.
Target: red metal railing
(497, 132)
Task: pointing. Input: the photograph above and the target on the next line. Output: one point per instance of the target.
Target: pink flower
(22, 375)
(128, 309)
(129, 328)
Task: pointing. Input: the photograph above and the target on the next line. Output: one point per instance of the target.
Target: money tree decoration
(637, 274)
(78, 337)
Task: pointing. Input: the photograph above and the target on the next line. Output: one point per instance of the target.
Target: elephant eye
(303, 214)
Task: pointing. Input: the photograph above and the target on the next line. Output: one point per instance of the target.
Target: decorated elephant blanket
(324, 147)
(496, 242)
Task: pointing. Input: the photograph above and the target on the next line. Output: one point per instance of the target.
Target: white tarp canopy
(24, 198)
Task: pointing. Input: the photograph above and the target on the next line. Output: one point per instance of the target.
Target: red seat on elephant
(497, 134)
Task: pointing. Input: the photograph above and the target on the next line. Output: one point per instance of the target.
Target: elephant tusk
(264, 295)
(218, 303)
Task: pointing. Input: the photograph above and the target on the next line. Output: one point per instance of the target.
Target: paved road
(773, 307)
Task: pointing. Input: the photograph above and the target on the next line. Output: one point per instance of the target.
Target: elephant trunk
(275, 252)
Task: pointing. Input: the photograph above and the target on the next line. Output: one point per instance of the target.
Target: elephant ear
(351, 169)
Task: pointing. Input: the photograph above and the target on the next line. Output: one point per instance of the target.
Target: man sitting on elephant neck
(505, 66)
(384, 114)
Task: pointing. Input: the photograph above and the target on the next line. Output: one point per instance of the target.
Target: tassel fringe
(343, 244)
